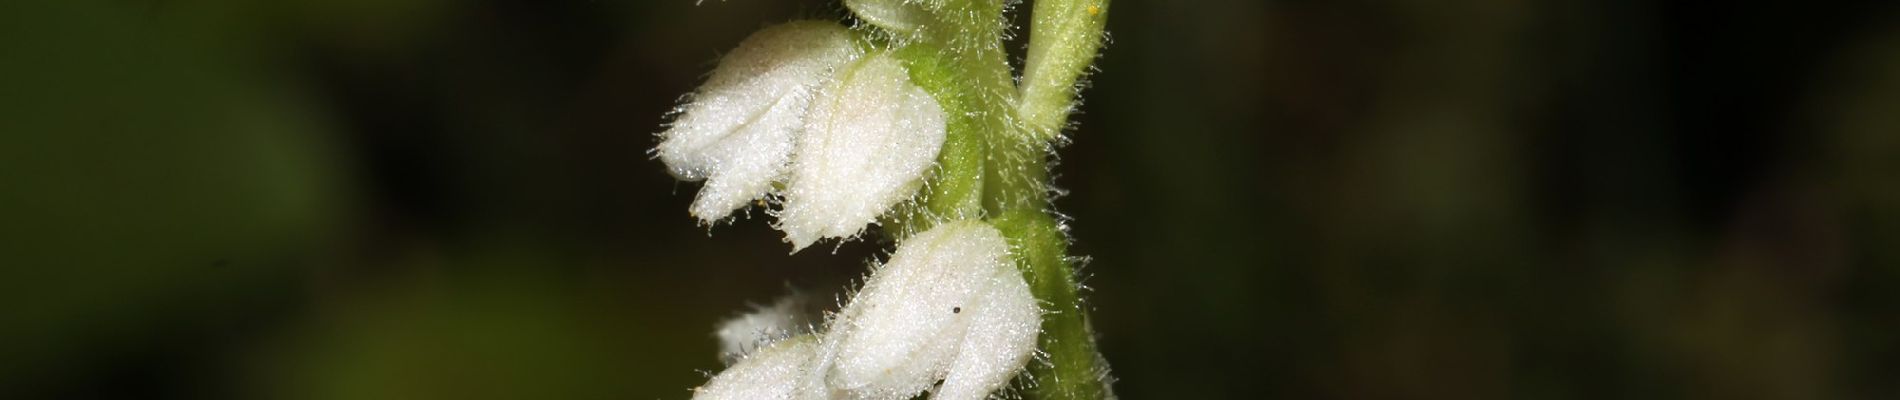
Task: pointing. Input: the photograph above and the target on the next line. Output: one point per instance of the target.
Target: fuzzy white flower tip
(870, 139)
(771, 373)
(790, 315)
(1001, 338)
(895, 15)
(948, 306)
(737, 132)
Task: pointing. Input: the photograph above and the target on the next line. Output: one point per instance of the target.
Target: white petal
(772, 373)
(737, 133)
(868, 142)
(947, 305)
(1001, 338)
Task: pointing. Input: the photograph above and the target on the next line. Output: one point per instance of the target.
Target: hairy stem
(1064, 38)
(955, 191)
(995, 159)
(1075, 369)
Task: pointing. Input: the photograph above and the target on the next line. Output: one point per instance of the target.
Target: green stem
(955, 190)
(995, 158)
(1064, 38)
(1075, 370)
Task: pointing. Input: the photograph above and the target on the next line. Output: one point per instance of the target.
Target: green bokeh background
(423, 199)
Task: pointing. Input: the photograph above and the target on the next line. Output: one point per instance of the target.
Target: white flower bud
(867, 144)
(948, 306)
(770, 374)
(738, 131)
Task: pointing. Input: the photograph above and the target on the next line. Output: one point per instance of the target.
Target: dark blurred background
(433, 199)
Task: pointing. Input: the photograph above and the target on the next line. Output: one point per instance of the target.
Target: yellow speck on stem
(1095, 10)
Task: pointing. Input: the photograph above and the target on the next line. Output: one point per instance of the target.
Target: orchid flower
(916, 117)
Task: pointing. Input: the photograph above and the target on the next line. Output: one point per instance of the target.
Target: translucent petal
(895, 15)
(787, 317)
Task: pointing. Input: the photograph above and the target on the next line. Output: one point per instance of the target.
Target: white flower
(770, 374)
(738, 131)
(848, 136)
(871, 137)
(949, 306)
(1000, 340)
